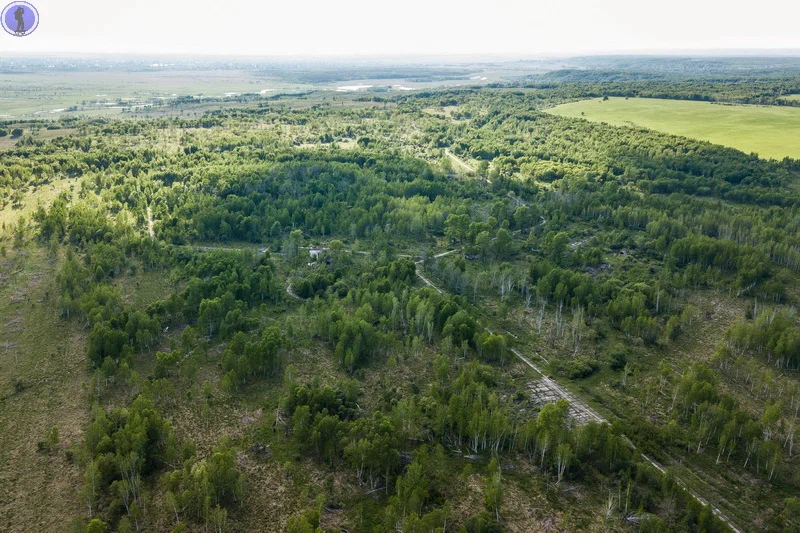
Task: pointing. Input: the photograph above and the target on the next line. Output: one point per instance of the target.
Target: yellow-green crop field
(769, 131)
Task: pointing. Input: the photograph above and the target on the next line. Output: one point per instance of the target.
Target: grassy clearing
(8, 143)
(771, 132)
(34, 197)
(144, 288)
(47, 355)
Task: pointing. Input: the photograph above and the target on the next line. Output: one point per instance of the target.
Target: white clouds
(367, 27)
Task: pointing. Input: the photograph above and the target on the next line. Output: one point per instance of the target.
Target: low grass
(144, 288)
(8, 142)
(769, 131)
(43, 195)
(45, 356)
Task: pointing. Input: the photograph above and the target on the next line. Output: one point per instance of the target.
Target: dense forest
(333, 313)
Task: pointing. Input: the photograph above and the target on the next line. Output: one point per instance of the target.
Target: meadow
(769, 131)
(52, 94)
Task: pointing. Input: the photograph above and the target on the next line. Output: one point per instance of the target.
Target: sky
(522, 28)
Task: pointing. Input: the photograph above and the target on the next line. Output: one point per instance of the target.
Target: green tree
(494, 489)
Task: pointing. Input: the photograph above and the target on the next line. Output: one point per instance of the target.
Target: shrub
(575, 368)
(617, 358)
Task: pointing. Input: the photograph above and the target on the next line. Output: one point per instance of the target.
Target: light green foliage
(203, 489)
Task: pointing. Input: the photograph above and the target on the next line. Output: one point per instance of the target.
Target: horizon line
(507, 56)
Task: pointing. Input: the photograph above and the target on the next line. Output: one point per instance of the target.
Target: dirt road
(150, 223)
(458, 161)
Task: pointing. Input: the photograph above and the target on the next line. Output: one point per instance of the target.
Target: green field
(771, 132)
(48, 95)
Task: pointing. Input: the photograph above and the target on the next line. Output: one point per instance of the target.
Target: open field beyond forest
(769, 131)
(57, 94)
(52, 94)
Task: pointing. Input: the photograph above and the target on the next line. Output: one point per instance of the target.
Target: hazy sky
(400, 27)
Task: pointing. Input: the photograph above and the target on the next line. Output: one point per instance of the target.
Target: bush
(483, 522)
(97, 526)
(617, 358)
(575, 368)
(50, 442)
